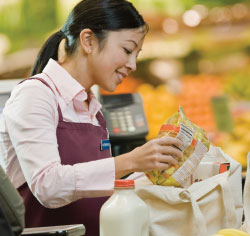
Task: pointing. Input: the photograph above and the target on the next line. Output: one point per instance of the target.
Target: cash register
(126, 121)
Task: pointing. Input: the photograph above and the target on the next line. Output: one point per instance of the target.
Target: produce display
(195, 97)
(159, 105)
(238, 85)
(195, 142)
(237, 143)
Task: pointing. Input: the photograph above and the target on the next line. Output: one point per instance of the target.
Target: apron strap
(101, 119)
(46, 84)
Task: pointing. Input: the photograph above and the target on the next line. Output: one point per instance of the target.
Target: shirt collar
(79, 106)
(61, 79)
(75, 92)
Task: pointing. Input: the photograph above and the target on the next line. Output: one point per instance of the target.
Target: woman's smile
(120, 76)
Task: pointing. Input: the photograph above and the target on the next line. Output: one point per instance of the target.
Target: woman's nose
(131, 64)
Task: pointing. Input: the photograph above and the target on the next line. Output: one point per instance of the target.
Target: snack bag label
(185, 135)
(181, 175)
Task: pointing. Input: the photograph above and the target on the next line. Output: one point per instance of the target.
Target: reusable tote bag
(199, 210)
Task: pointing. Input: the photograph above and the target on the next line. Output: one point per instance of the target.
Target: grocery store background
(196, 54)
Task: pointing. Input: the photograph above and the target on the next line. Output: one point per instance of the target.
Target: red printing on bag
(175, 129)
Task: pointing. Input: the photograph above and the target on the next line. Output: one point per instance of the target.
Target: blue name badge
(105, 144)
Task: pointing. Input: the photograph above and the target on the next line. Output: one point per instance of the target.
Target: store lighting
(191, 18)
(202, 10)
(221, 15)
(162, 69)
(239, 10)
(214, 14)
(170, 26)
(166, 48)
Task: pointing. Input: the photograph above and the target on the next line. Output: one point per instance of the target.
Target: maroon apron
(77, 143)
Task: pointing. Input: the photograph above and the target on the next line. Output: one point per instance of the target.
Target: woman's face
(110, 65)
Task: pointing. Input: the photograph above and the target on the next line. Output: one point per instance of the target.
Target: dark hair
(100, 16)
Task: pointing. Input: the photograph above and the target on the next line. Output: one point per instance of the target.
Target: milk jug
(124, 213)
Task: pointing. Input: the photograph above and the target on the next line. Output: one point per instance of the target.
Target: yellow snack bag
(195, 142)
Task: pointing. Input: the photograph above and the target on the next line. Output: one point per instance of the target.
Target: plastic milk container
(124, 213)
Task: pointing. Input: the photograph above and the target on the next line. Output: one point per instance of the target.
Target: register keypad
(122, 121)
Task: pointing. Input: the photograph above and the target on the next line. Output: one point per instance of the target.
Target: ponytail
(49, 50)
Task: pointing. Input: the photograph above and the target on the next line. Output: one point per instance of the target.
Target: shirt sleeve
(31, 119)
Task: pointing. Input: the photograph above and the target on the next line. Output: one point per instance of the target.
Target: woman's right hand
(156, 154)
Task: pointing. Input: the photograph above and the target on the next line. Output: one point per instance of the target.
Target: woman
(52, 128)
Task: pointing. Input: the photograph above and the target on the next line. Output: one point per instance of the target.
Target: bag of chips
(195, 143)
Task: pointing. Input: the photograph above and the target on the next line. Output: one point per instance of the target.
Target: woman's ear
(87, 40)
(61, 53)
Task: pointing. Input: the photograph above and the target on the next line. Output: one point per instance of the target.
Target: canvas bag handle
(213, 182)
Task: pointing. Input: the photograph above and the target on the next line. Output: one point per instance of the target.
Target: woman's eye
(127, 51)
